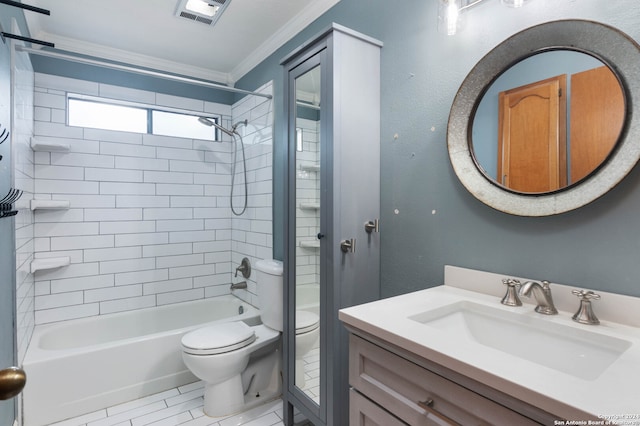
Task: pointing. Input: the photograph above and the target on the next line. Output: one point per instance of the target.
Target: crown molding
(284, 34)
(130, 58)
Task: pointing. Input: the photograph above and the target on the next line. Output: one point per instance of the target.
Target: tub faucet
(542, 293)
(244, 268)
(239, 286)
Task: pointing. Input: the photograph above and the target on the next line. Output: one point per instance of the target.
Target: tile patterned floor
(183, 406)
(312, 374)
(180, 406)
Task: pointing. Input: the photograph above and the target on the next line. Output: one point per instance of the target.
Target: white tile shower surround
(149, 222)
(179, 406)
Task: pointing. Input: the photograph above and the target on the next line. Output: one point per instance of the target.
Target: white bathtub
(84, 365)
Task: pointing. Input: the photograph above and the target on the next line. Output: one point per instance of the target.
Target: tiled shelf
(50, 204)
(50, 263)
(38, 145)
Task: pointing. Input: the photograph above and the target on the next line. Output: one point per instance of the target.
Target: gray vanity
(453, 354)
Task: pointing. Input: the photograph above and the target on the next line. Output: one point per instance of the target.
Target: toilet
(307, 336)
(221, 354)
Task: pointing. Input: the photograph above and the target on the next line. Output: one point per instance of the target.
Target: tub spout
(238, 286)
(542, 293)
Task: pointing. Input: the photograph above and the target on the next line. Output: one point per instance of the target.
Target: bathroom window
(84, 111)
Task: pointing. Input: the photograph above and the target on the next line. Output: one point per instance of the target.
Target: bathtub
(79, 366)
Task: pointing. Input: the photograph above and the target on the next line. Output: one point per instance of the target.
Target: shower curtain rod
(135, 70)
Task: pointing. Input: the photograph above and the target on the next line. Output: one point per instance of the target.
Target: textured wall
(428, 219)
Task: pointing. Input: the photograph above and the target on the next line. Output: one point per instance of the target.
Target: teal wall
(437, 221)
(126, 79)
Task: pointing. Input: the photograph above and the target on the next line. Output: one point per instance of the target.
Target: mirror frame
(612, 47)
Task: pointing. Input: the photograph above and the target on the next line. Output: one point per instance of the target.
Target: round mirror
(541, 124)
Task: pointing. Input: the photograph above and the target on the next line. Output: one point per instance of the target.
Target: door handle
(12, 381)
(348, 245)
(372, 226)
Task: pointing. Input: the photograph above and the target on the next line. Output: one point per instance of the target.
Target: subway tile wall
(150, 220)
(252, 230)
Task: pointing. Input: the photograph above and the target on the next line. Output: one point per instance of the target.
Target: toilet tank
(270, 288)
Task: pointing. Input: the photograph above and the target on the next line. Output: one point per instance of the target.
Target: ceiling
(148, 33)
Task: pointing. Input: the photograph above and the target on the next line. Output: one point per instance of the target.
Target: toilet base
(223, 398)
(261, 381)
(214, 407)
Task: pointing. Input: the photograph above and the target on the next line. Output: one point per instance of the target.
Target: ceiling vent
(204, 11)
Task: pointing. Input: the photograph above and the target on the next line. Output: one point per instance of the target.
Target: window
(101, 115)
(180, 125)
(84, 111)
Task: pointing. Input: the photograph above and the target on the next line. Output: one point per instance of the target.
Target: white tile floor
(179, 406)
(183, 406)
(312, 374)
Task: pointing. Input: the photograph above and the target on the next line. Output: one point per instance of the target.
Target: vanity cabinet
(389, 389)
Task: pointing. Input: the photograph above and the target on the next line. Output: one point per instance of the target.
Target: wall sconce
(451, 13)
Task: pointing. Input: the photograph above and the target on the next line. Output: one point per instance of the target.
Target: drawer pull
(435, 416)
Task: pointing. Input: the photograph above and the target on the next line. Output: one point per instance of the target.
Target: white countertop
(615, 392)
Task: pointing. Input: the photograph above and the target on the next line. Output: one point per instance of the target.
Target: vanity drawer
(418, 396)
(363, 412)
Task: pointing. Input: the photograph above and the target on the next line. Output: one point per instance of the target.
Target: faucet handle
(511, 296)
(585, 313)
(585, 295)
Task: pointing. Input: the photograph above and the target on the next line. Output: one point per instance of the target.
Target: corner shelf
(38, 145)
(310, 206)
(50, 263)
(310, 167)
(50, 205)
(310, 244)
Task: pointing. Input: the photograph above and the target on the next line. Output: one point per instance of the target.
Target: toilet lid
(306, 321)
(218, 338)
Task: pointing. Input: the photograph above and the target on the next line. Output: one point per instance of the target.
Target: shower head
(207, 122)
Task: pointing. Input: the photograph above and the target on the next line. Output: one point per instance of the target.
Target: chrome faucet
(239, 286)
(542, 293)
(244, 268)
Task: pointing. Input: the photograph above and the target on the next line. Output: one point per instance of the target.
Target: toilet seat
(218, 338)
(306, 321)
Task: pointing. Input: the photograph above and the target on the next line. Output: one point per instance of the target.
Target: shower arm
(207, 122)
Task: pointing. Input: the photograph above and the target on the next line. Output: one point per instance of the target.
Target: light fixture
(514, 3)
(449, 16)
(451, 13)
(203, 11)
(201, 6)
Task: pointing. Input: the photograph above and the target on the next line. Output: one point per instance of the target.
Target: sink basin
(578, 352)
